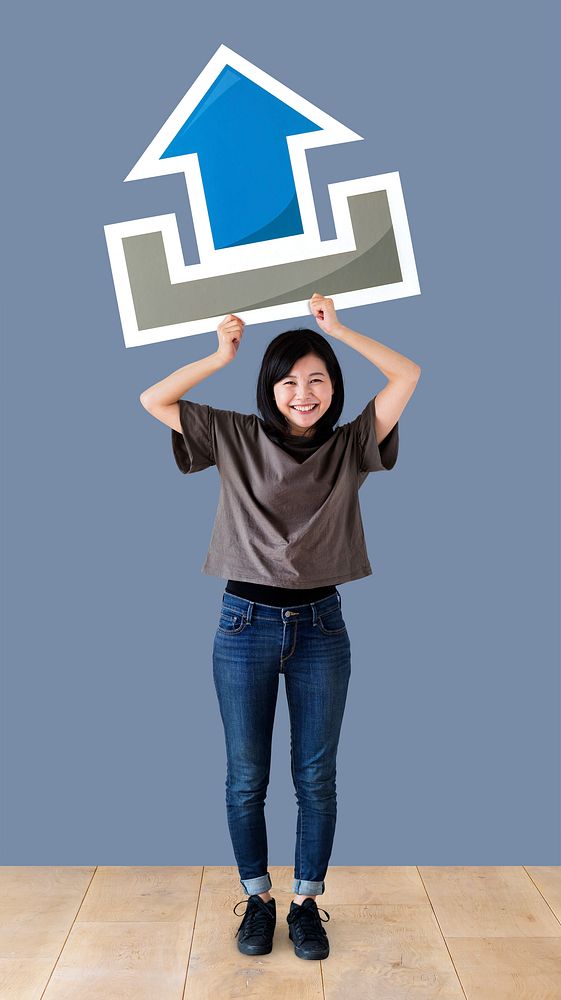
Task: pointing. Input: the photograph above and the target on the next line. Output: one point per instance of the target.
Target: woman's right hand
(230, 333)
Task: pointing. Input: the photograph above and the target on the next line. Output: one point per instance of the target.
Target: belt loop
(249, 610)
(314, 613)
(338, 597)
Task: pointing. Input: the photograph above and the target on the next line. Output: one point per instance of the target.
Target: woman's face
(307, 382)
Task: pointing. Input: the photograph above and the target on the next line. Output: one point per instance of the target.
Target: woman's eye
(313, 380)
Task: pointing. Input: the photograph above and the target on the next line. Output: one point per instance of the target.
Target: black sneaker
(305, 930)
(255, 933)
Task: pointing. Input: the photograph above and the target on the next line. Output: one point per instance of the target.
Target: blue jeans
(309, 644)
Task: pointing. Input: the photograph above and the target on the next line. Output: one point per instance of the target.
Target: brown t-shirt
(281, 520)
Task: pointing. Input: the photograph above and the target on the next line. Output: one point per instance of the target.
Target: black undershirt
(279, 597)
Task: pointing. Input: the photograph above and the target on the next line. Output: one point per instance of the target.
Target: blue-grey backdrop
(112, 744)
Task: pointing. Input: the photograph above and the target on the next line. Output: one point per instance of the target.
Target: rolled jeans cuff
(303, 888)
(253, 886)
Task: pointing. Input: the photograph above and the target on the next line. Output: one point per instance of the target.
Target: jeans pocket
(332, 622)
(231, 622)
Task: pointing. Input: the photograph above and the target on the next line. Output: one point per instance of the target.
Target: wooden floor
(168, 934)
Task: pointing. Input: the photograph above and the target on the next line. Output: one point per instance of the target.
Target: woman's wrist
(337, 329)
(222, 357)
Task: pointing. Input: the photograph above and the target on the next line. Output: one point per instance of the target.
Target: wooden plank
(38, 905)
(488, 902)
(385, 941)
(502, 935)
(548, 881)
(504, 968)
(132, 937)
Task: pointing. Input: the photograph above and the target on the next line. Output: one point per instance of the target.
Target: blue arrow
(239, 132)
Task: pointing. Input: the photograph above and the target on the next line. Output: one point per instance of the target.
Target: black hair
(278, 359)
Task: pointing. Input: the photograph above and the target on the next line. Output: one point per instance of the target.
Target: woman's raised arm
(162, 399)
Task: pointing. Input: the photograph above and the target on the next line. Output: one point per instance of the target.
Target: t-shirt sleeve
(193, 448)
(374, 457)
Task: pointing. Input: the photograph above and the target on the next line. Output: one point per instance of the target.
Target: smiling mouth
(307, 409)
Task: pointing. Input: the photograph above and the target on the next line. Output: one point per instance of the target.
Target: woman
(288, 529)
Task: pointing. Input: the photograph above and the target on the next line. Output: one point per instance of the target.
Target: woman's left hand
(324, 312)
